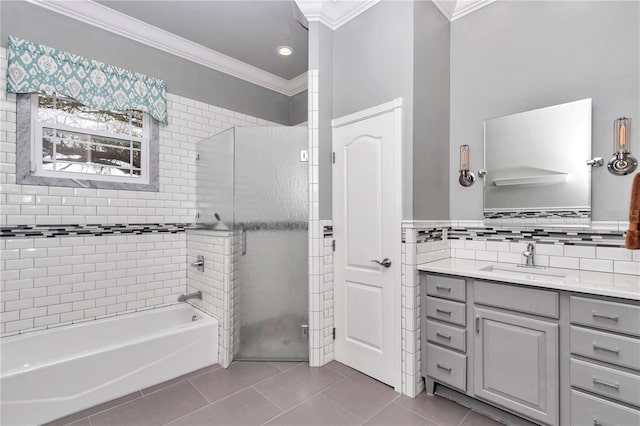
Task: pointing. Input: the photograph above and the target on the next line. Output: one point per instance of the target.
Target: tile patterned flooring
(275, 393)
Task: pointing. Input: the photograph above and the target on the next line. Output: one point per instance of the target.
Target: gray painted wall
(321, 59)
(298, 108)
(183, 77)
(430, 113)
(515, 56)
(373, 64)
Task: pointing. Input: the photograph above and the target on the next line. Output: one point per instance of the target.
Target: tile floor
(275, 393)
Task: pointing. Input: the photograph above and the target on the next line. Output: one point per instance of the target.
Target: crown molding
(116, 22)
(456, 9)
(335, 13)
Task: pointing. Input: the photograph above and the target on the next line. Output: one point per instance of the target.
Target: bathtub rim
(206, 319)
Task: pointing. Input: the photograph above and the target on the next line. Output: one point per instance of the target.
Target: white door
(367, 231)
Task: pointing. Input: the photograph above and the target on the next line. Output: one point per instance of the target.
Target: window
(71, 144)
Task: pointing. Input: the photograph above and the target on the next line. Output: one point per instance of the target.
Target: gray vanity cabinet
(549, 356)
(515, 363)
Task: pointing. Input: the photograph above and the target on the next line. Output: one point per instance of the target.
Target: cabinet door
(516, 363)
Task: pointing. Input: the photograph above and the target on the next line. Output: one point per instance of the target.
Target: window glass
(79, 139)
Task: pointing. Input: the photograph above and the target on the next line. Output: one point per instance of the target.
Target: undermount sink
(528, 271)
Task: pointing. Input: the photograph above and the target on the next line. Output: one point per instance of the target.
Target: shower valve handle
(385, 262)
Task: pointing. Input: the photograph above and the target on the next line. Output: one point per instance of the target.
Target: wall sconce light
(466, 177)
(622, 162)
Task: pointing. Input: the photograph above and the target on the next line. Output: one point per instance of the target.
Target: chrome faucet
(185, 297)
(529, 254)
(199, 263)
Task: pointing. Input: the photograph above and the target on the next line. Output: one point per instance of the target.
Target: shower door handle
(244, 242)
(384, 262)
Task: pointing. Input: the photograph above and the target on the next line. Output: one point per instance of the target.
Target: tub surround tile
(94, 277)
(155, 409)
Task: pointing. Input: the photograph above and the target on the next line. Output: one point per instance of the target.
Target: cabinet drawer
(619, 350)
(445, 310)
(447, 367)
(446, 287)
(620, 317)
(515, 298)
(606, 381)
(446, 335)
(589, 410)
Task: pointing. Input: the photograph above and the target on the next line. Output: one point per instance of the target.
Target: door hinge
(333, 245)
(334, 333)
(333, 157)
(477, 324)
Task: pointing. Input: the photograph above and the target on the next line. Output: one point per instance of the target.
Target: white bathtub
(53, 373)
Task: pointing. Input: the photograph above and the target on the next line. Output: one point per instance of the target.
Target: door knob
(385, 262)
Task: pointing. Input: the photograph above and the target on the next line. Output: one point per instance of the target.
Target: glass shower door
(270, 212)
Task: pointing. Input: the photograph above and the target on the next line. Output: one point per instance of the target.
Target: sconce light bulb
(622, 135)
(622, 163)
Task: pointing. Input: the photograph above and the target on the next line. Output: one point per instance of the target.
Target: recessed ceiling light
(285, 50)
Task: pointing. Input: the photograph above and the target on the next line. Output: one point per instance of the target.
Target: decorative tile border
(428, 235)
(53, 231)
(580, 237)
(535, 214)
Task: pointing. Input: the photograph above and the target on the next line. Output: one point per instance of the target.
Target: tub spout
(185, 297)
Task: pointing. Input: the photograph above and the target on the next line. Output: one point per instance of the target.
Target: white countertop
(598, 283)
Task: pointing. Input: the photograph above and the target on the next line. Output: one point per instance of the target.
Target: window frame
(29, 164)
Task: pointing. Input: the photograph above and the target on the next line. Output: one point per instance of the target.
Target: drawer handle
(441, 288)
(444, 336)
(597, 422)
(442, 311)
(606, 349)
(597, 381)
(442, 367)
(605, 316)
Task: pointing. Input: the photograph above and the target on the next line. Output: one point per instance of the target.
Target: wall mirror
(535, 166)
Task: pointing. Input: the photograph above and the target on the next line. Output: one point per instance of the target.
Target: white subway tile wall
(597, 254)
(50, 282)
(217, 283)
(78, 279)
(320, 292)
(414, 252)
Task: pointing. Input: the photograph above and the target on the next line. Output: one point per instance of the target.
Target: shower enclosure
(252, 183)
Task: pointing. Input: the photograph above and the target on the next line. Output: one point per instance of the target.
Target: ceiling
(249, 31)
(236, 37)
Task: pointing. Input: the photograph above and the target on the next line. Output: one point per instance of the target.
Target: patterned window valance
(34, 68)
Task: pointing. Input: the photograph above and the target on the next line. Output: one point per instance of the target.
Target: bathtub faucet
(185, 297)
